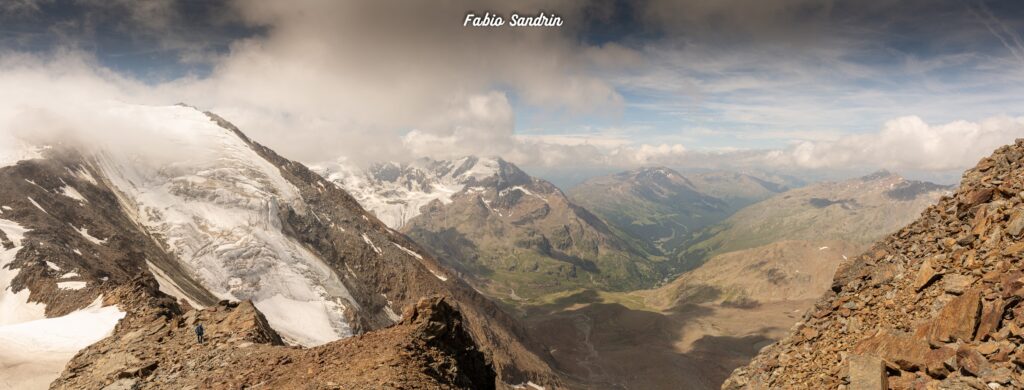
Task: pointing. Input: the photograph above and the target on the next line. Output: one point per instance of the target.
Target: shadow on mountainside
(610, 345)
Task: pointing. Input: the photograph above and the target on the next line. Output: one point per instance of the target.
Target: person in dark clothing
(199, 332)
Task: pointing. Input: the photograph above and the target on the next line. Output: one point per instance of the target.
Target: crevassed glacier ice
(216, 205)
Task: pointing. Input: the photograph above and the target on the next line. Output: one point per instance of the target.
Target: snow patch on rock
(70, 285)
(36, 204)
(371, 244)
(72, 193)
(169, 287)
(85, 233)
(409, 251)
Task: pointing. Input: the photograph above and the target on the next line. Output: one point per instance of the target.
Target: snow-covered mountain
(217, 211)
(510, 234)
(209, 215)
(395, 192)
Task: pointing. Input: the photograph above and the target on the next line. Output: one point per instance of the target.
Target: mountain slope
(657, 205)
(740, 189)
(513, 235)
(934, 305)
(787, 247)
(234, 221)
(714, 318)
(857, 211)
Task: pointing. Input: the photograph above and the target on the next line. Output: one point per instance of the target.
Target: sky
(923, 88)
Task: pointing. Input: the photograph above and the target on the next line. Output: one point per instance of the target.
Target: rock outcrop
(933, 306)
(155, 347)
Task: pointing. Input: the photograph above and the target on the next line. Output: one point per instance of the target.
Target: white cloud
(908, 143)
(318, 86)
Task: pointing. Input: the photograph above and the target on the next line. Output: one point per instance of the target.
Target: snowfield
(14, 307)
(34, 353)
(217, 211)
(33, 348)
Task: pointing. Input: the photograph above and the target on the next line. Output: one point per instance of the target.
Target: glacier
(216, 207)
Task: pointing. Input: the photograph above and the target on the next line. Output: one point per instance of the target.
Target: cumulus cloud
(327, 76)
(908, 143)
(68, 100)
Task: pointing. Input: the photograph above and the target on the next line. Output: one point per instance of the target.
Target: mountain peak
(395, 192)
(878, 175)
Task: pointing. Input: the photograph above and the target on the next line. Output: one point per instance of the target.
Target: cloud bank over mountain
(786, 84)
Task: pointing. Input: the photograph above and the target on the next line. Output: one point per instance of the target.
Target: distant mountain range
(787, 247)
(663, 208)
(709, 251)
(514, 235)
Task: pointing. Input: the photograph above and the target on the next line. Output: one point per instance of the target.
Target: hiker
(199, 332)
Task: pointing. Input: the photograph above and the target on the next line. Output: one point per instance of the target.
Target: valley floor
(614, 340)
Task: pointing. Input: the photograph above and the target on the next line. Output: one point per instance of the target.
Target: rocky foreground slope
(935, 305)
(155, 348)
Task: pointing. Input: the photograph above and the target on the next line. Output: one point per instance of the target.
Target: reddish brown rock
(940, 362)
(1016, 224)
(925, 275)
(965, 333)
(956, 283)
(901, 349)
(977, 197)
(991, 316)
(1014, 249)
(971, 361)
(867, 373)
(980, 223)
(957, 320)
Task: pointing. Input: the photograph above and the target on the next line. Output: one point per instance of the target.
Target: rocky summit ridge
(155, 348)
(935, 305)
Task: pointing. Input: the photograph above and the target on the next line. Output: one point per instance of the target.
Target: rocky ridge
(935, 305)
(155, 348)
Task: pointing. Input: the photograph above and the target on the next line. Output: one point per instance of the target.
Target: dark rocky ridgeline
(935, 305)
(155, 348)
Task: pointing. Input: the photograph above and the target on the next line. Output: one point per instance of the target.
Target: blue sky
(790, 84)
